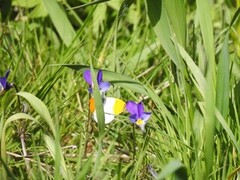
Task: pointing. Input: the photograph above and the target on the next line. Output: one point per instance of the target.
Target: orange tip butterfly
(111, 107)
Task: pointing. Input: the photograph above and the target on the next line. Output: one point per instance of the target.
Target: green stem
(2, 137)
(89, 130)
(134, 144)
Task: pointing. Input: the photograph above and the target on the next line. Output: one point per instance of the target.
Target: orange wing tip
(92, 105)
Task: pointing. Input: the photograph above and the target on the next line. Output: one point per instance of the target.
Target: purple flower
(4, 85)
(103, 86)
(137, 114)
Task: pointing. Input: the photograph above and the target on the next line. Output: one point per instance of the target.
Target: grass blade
(60, 21)
(40, 108)
(161, 26)
(222, 86)
(124, 7)
(200, 80)
(206, 26)
(57, 154)
(235, 17)
(177, 16)
(174, 167)
(227, 129)
(98, 103)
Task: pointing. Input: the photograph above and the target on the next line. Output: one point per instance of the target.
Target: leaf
(227, 129)
(205, 20)
(174, 167)
(199, 78)
(37, 8)
(161, 26)
(222, 87)
(235, 17)
(177, 16)
(206, 26)
(99, 16)
(26, 3)
(40, 108)
(38, 11)
(60, 21)
(98, 102)
(17, 117)
(86, 166)
(57, 154)
(124, 8)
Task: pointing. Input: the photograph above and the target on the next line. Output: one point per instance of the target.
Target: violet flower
(4, 84)
(103, 86)
(137, 114)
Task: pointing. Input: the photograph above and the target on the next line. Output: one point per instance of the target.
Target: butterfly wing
(111, 107)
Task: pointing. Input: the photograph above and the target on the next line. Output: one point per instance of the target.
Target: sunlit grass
(164, 62)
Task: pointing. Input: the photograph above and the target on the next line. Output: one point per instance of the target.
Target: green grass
(181, 58)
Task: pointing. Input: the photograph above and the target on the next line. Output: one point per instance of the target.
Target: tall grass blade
(235, 17)
(40, 108)
(60, 21)
(124, 7)
(205, 20)
(161, 26)
(222, 86)
(199, 78)
(177, 17)
(86, 166)
(57, 154)
(227, 129)
(98, 103)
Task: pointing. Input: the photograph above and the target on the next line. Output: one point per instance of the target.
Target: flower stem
(134, 143)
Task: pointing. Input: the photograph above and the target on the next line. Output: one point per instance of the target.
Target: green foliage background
(180, 57)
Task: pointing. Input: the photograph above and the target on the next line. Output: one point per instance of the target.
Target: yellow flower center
(139, 122)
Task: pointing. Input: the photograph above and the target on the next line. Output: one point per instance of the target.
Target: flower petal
(87, 76)
(142, 126)
(145, 116)
(90, 90)
(133, 118)
(7, 73)
(3, 82)
(4, 85)
(8, 86)
(132, 108)
(104, 86)
(99, 77)
(140, 109)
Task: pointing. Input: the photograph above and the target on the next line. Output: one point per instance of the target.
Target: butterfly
(111, 107)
